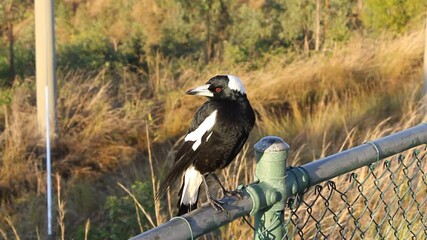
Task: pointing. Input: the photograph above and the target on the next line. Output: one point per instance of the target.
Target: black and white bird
(217, 133)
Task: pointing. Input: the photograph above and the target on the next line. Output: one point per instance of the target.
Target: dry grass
(87, 228)
(10, 223)
(91, 118)
(61, 207)
(18, 146)
(120, 131)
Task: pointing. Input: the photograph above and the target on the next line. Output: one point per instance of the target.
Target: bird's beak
(201, 91)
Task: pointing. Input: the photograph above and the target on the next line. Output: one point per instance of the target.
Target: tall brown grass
(113, 128)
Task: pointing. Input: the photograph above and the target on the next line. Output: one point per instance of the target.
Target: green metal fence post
(271, 155)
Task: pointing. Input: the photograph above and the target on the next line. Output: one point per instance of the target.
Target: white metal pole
(46, 89)
(48, 169)
(45, 63)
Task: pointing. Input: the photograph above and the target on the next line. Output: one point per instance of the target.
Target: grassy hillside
(323, 75)
(117, 140)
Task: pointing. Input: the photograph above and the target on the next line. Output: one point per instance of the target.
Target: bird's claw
(217, 205)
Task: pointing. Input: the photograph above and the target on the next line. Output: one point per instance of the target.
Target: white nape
(235, 83)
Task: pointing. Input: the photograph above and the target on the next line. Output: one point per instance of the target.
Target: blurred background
(325, 75)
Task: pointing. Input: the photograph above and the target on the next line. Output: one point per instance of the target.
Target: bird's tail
(189, 193)
(186, 208)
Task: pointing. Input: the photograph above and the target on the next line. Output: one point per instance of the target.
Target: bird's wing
(239, 146)
(182, 163)
(198, 132)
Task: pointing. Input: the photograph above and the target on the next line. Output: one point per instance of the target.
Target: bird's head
(221, 87)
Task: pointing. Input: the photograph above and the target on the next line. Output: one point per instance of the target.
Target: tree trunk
(325, 24)
(11, 54)
(208, 52)
(306, 45)
(317, 24)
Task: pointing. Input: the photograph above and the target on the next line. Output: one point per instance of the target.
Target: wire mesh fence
(385, 200)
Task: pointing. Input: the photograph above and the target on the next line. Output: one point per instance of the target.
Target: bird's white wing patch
(205, 127)
(192, 181)
(235, 83)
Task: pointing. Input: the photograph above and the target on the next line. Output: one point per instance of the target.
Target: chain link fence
(385, 200)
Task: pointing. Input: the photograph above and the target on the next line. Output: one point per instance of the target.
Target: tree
(211, 22)
(391, 15)
(298, 22)
(317, 23)
(340, 20)
(12, 12)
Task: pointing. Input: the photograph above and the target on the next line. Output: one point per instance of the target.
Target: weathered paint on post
(297, 181)
(269, 193)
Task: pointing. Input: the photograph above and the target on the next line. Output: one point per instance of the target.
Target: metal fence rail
(385, 199)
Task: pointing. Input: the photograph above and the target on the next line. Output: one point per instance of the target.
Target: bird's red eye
(218, 89)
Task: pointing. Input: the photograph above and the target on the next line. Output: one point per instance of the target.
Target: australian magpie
(217, 133)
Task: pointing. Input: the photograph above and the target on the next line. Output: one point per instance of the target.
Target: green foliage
(244, 37)
(5, 96)
(4, 67)
(83, 197)
(340, 23)
(25, 59)
(95, 37)
(177, 41)
(87, 55)
(16, 32)
(255, 32)
(297, 21)
(121, 220)
(392, 15)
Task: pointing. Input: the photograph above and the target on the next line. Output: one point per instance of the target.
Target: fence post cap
(271, 144)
